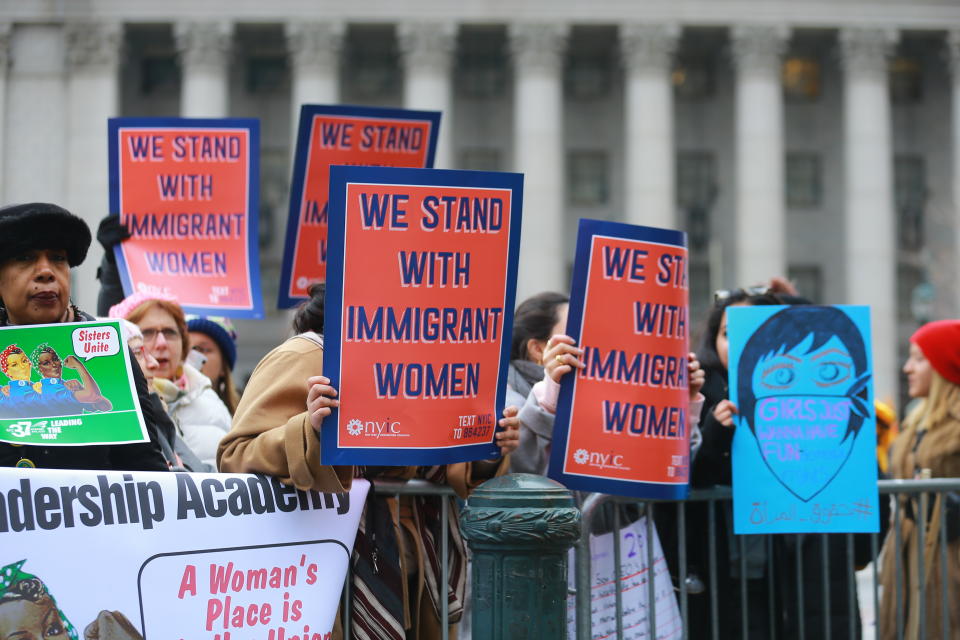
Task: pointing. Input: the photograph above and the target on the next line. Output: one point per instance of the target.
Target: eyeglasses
(722, 295)
(150, 335)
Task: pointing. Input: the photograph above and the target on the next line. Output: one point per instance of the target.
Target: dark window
(480, 159)
(159, 74)
(910, 197)
(808, 278)
(801, 79)
(803, 181)
(587, 178)
(266, 74)
(588, 77)
(906, 81)
(696, 192)
(693, 78)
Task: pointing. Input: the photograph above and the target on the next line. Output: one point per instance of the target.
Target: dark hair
(533, 320)
(788, 328)
(707, 351)
(309, 315)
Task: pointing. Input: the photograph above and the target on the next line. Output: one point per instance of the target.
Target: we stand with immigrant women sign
(67, 384)
(419, 312)
(164, 555)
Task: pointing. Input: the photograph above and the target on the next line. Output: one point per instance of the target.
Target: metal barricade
(777, 572)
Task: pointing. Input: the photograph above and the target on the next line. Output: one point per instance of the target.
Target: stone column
(647, 51)
(93, 52)
(315, 63)
(953, 53)
(204, 55)
(539, 153)
(871, 248)
(427, 49)
(761, 251)
(36, 107)
(5, 29)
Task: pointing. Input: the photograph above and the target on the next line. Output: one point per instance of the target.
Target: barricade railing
(776, 573)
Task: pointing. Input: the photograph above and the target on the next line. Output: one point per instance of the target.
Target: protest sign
(633, 584)
(344, 135)
(67, 384)
(804, 450)
(419, 312)
(199, 556)
(621, 423)
(187, 190)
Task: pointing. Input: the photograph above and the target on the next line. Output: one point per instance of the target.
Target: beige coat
(271, 434)
(939, 451)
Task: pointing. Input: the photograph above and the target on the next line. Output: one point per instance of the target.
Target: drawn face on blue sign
(802, 387)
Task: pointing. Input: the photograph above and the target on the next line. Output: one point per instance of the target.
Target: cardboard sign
(344, 135)
(67, 384)
(633, 585)
(804, 452)
(419, 309)
(199, 556)
(621, 424)
(187, 189)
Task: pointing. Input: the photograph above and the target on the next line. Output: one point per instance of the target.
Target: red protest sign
(622, 421)
(342, 135)
(418, 313)
(187, 191)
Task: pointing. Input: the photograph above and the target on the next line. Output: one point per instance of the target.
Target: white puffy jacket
(198, 412)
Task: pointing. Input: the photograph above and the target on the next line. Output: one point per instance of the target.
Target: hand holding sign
(321, 398)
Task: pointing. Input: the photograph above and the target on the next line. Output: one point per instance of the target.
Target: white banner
(164, 556)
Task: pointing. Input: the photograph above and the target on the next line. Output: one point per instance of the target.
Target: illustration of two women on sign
(29, 612)
(50, 396)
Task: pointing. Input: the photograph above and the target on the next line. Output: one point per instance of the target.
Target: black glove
(110, 233)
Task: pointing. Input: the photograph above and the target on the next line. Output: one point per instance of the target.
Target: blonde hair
(931, 413)
(226, 389)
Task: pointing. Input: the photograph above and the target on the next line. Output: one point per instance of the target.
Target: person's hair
(40, 350)
(9, 351)
(935, 408)
(34, 590)
(790, 327)
(533, 320)
(309, 315)
(226, 389)
(707, 351)
(175, 311)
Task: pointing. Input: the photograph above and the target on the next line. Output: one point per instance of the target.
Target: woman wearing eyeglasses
(192, 403)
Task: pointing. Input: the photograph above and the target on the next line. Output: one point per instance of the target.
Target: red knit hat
(940, 343)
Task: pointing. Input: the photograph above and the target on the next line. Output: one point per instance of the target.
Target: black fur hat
(39, 225)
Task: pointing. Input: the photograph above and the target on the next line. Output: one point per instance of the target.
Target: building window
(266, 74)
(696, 191)
(587, 178)
(693, 78)
(808, 279)
(906, 81)
(910, 197)
(481, 77)
(801, 79)
(803, 182)
(159, 74)
(480, 159)
(588, 77)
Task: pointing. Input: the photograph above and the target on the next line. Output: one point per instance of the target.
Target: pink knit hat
(125, 307)
(940, 343)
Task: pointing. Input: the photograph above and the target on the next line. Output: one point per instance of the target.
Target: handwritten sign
(804, 456)
(419, 303)
(201, 556)
(621, 422)
(67, 384)
(343, 135)
(633, 585)
(187, 189)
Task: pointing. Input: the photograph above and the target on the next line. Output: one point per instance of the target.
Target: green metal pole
(520, 528)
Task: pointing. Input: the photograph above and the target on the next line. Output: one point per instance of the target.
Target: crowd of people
(199, 421)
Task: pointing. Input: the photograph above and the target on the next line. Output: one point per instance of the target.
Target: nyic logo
(375, 428)
(599, 460)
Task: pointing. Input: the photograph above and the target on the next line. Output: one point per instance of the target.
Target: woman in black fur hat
(39, 242)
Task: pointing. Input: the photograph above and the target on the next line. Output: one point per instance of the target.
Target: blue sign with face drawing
(804, 452)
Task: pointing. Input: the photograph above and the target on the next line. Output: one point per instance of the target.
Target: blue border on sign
(340, 177)
(587, 230)
(252, 125)
(304, 135)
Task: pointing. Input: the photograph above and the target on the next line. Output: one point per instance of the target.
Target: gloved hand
(110, 233)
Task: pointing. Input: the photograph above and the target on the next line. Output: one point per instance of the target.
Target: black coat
(141, 456)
